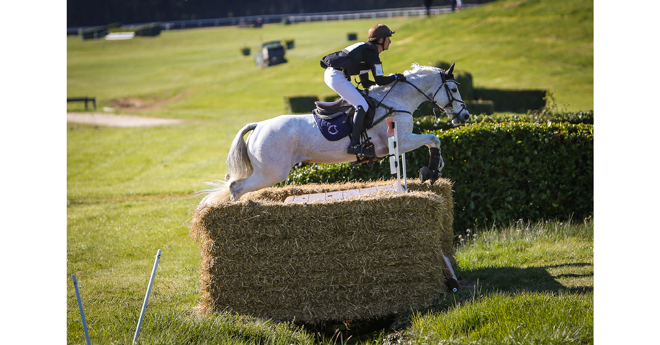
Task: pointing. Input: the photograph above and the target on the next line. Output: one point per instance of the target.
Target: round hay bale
(353, 259)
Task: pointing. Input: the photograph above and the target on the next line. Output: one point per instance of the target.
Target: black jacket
(358, 59)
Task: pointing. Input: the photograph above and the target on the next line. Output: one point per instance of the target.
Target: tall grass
(531, 283)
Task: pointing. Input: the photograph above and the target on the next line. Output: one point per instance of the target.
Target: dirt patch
(147, 103)
(118, 120)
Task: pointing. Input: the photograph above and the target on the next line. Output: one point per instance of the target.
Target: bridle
(451, 97)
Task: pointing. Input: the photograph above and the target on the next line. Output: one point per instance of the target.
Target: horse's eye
(454, 89)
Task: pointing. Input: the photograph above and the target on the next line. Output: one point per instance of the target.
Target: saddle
(335, 119)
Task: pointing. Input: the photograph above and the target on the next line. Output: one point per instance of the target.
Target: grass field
(505, 44)
(130, 191)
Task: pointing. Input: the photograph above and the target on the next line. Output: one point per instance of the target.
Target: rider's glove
(400, 77)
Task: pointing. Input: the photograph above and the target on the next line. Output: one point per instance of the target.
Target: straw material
(354, 259)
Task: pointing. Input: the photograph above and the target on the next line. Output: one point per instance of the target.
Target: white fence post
(146, 297)
(80, 306)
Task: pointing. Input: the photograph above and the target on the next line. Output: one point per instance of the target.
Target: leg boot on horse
(432, 172)
(358, 126)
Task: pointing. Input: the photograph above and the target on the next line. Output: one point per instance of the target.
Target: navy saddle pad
(334, 129)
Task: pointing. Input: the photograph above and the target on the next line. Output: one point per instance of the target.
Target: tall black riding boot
(358, 125)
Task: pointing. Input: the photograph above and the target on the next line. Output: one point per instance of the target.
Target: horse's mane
(417, 68)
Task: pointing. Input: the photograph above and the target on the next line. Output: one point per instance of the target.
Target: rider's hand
(400, 77)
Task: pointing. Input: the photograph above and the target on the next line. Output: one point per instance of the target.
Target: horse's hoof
(425, 174)
(453, 284)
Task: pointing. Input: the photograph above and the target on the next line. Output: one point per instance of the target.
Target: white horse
(277, 144)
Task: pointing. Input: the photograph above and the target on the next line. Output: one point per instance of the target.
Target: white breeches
(336, 80)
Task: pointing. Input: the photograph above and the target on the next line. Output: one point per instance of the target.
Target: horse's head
(449, 99)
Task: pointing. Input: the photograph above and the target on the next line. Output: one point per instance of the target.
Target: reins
(450, 97)
(391, 110)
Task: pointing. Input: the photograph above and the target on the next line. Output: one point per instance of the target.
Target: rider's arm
(382, 80)
(365, 82)
(372, 59)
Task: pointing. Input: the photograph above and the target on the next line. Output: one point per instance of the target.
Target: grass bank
(200, 74)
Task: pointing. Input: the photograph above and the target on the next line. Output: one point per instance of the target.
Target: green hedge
(586, 117)
(300, 104)
(148, 30)
(480, 107)
(329, 97)
(465, 87)
(502, 171)
(518, 101)
(98, 31)
(442, 122)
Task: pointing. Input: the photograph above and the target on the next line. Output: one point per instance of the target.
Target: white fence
(296, 18)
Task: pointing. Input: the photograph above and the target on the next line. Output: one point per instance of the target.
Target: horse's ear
(450, 71)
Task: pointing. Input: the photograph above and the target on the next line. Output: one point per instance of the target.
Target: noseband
(451, 97)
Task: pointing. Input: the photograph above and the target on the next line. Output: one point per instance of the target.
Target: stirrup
(360, 151)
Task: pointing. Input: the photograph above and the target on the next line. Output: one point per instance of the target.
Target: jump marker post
(393, 145)
(80, 306)
(146, 297)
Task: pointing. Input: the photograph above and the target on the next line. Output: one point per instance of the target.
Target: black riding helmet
(379, 31)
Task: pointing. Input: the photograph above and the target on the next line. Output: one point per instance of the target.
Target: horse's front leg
(433, 171)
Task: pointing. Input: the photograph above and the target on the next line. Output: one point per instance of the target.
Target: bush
(299, 104)
(501, 171)
(329, 97)
(465, 87)
(480, 107)
(441, 122)
(98, 31)
(518, 101)
(426, 109)
(148, 30)
(586, 117)
(431, 123)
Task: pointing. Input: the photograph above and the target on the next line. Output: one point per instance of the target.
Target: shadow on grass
(483, 282)
(512, 279)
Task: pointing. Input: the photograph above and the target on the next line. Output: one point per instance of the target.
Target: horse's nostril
(467, 116)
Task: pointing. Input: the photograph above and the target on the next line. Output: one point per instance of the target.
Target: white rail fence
(294, 18)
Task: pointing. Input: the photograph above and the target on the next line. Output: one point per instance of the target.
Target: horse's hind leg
(254, 182)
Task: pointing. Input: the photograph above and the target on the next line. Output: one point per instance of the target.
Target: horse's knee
(435, 142)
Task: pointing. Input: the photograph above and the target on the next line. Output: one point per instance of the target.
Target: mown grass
(130, 191)
(504, 44)
(529, 283)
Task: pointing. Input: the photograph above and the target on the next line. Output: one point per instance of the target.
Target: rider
(359, 59)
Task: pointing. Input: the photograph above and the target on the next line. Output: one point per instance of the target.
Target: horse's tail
(238, 167)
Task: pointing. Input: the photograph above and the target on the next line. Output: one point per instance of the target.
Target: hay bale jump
(356, 258)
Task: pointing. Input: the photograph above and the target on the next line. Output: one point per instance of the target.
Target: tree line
(102, 12)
